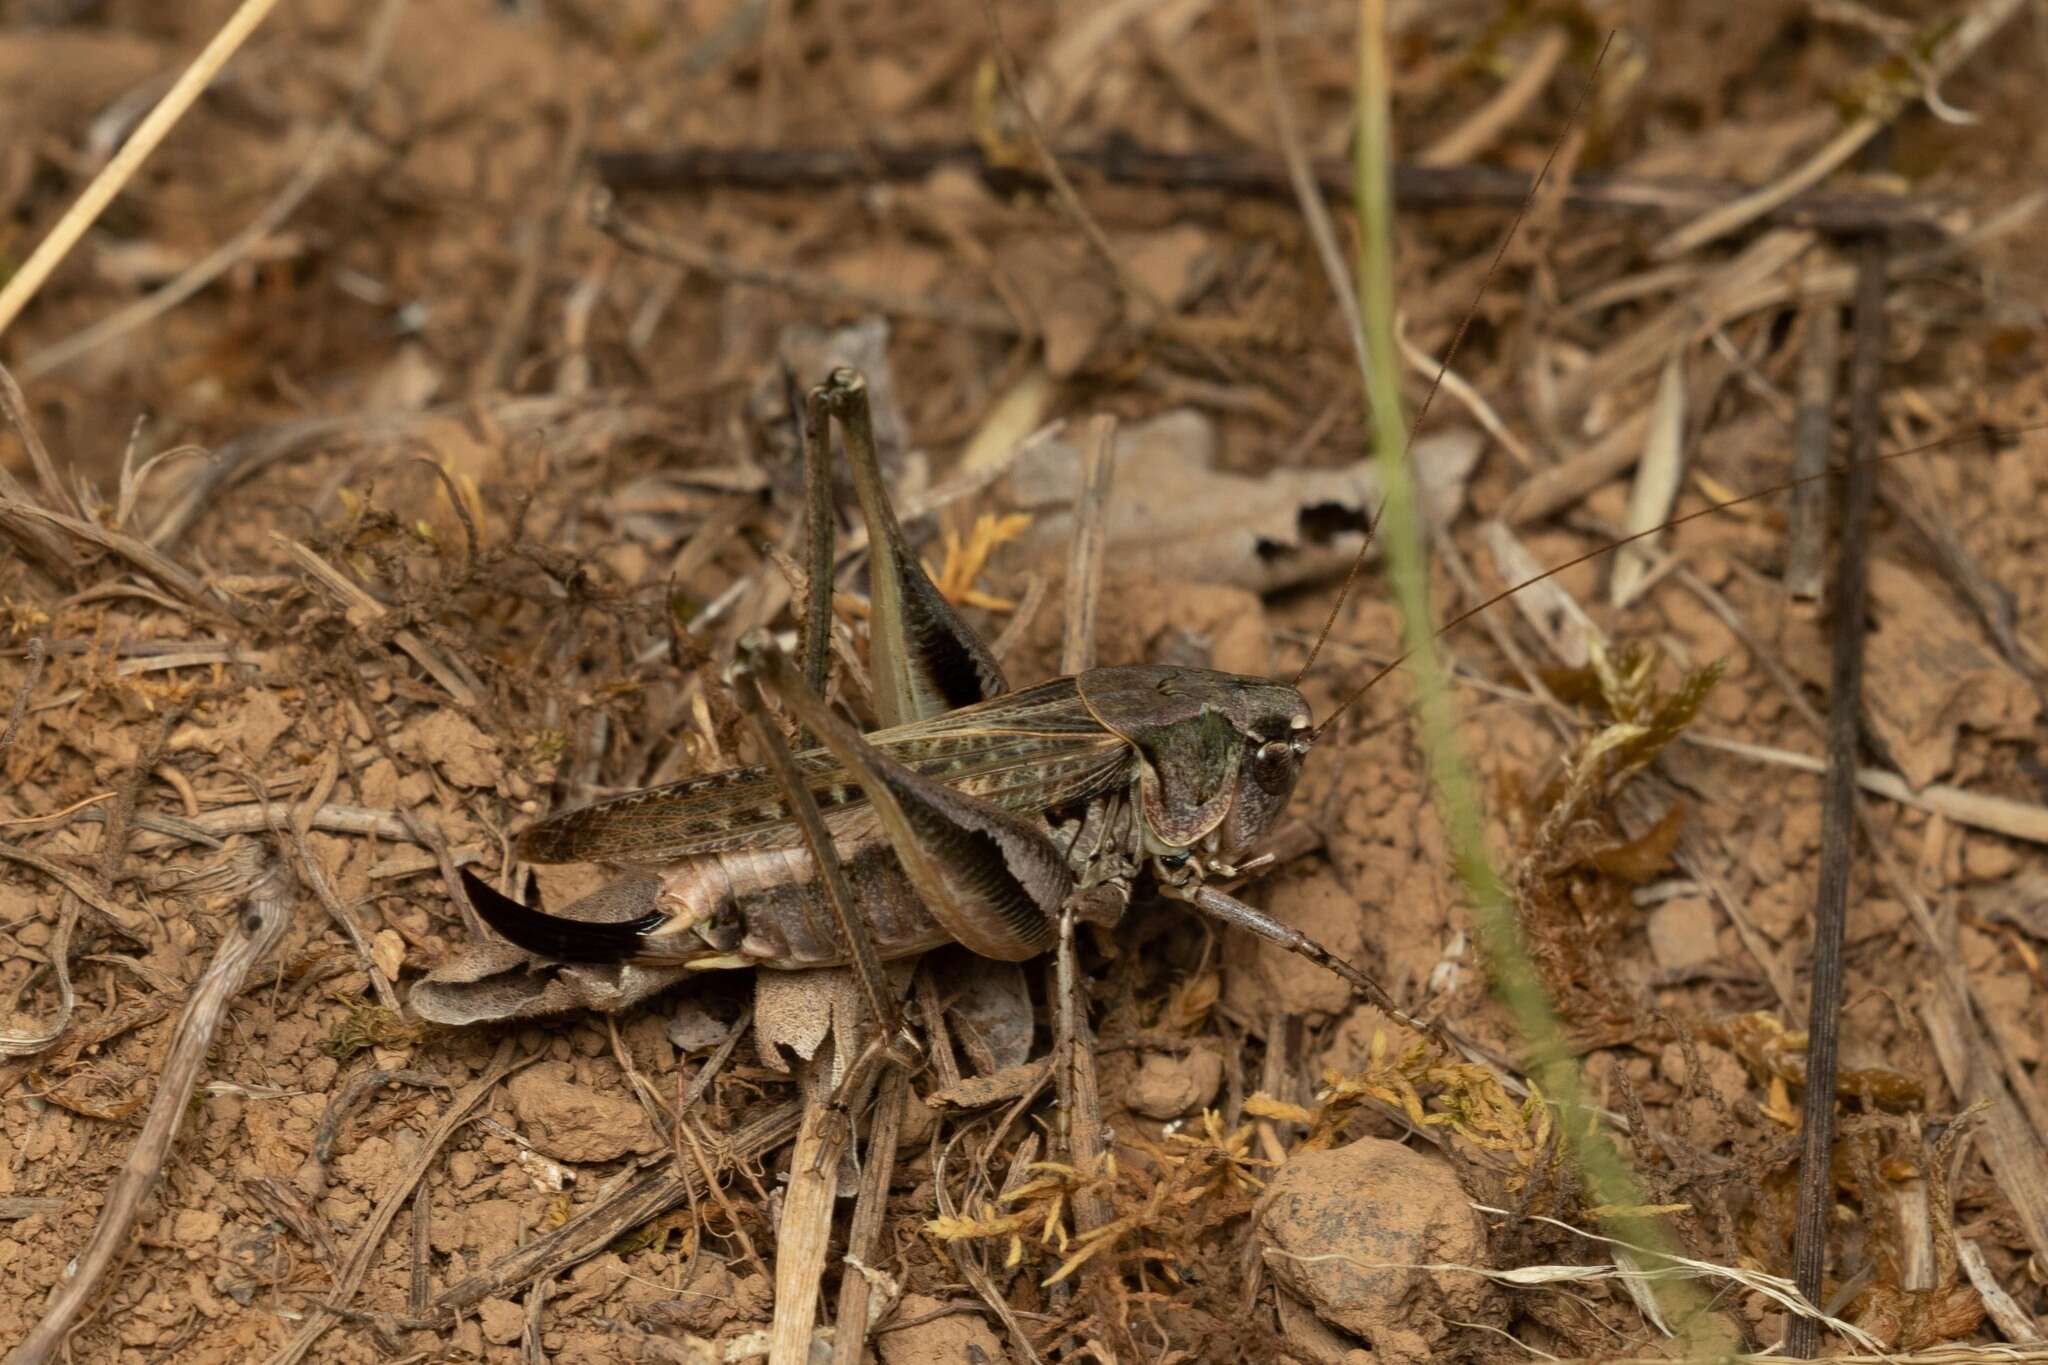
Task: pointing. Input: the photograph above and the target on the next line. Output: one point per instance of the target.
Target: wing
(1027, 751)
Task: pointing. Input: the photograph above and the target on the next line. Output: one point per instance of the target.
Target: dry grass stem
(118, 171)
(1487, 124)
(804, 1231)
(1953, 42)
(1812, 446)
(312, 170)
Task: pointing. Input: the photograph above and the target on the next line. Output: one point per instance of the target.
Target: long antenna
(1450, 352)
(1987, 434)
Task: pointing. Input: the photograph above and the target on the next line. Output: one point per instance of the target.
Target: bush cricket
(975, 814)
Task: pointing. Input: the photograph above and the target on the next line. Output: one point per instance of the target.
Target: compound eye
(1173, 862)
(1275, 751)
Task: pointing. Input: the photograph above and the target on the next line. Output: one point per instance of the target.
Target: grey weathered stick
(1812, 436)
(1074, 1075)
(255, 930)
(1084, 561)
(1838, 811)
(850, 1326)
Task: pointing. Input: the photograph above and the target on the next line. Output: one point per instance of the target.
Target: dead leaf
(1173, 512)
(387, 950)
(1930, 676)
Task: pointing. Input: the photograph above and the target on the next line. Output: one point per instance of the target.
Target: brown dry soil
(475, 465)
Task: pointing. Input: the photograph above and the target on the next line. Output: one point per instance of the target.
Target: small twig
(315, 877)
(1084, 560)
(120, 816)
(121, 921)
(647, 1196)
(1992, 603)
(1812, 442)
(364, 1249)
(254, 816)
(158, 566)
(418, 1290)
(284, 1202)
(124, 163)
(2015, 1322)
(1019, 625)
(970, 1270)
(805, 1229)
(1314, 210)
(1484, 126)
(1998, 814)
(425, 834)
(1838, 810)
(254, 931)
(354, 1095)
(452, 677)
(223, 258)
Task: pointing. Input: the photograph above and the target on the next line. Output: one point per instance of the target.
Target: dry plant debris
(440, 503)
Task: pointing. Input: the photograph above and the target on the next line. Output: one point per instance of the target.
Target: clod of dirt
(1684, 934)
(257, 723)
(575, 1123)
(955, 1336)
(1345, 1229)
(465, 755)
(1167, 1086)
(502, 1321)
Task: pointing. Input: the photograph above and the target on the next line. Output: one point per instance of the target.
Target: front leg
(1232, 911)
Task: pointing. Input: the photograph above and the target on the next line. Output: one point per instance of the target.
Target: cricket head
(1218, 753)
